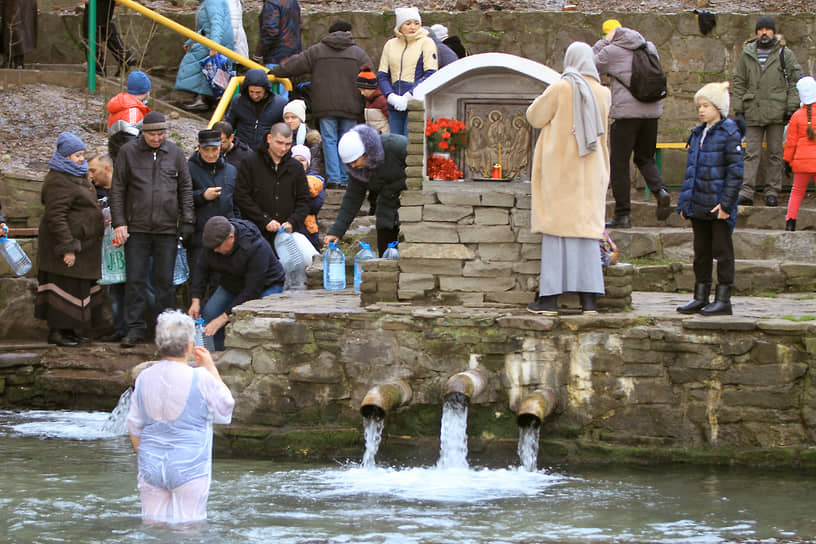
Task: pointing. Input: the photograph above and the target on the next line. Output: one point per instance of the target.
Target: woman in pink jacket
(800, 149)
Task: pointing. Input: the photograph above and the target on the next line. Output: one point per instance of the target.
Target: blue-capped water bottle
(14, 254)
(201, 338)
(392, 252)
(364, 254)
(334, 268)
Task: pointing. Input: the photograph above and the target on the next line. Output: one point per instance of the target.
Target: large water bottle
(364, 254)
(14, 254)
(201, 338)
(181, 270)
(334, 268)
(392, 252)
(292, 260)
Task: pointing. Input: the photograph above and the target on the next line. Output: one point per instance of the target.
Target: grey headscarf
(579, 62)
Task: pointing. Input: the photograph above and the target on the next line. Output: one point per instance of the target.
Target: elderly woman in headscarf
(569, 182)
(170, 422)
(70, 247)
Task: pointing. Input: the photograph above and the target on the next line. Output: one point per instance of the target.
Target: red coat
(800, 152)
(126, 107)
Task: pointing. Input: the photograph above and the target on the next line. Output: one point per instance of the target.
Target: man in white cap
(375, 162)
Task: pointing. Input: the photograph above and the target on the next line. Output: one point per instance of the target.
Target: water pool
(66, 480)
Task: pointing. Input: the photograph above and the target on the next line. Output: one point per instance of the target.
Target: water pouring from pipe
(375, 405)
(453, 432)
(533, 409)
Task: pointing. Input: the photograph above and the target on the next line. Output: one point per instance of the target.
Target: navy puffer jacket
(713, 172)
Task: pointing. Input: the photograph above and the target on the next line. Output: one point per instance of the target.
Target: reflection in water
(82, 488)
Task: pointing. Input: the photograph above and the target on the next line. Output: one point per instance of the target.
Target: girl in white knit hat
(406, 60)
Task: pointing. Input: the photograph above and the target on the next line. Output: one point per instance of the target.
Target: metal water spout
(535, 407)
(466, 385)
(384, 398)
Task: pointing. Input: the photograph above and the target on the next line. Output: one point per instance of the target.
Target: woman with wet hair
(170, 422)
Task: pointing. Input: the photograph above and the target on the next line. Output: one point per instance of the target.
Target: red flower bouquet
(445, 137)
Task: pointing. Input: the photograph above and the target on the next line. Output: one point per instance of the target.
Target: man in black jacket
(271, 190)
(256, 109)
(151, 201)
(233, 149)
(246, 268)
(334, 64)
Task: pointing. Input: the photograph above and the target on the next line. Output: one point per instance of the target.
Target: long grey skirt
(570, 265)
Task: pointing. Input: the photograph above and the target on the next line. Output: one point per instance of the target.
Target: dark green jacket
(762, 95)
(387, 181)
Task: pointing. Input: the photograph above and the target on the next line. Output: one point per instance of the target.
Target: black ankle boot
(701, 293)
(619, 222)
(544, 306)
(721, 304)
(790, 225)
(55, 336)
(589, 303)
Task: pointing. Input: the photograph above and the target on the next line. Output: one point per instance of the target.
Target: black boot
(619, 222)
(663, 204)
(790, 225)
(544, 306)
(721, 304)
(701, 293)
(55, 336)
(589, 303)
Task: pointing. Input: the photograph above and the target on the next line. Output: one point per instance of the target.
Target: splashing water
(116, 423)
(372, 428)
(528, 447)
(453, 434)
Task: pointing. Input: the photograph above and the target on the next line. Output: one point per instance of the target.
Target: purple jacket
(615, 60)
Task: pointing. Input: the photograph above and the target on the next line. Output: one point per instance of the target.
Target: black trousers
(625, 137)
(385, 237)
(712, 240)
(106, 33)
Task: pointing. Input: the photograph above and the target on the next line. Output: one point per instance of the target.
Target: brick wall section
(467, 243)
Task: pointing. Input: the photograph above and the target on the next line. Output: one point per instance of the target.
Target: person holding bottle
(800, 149)
(69, 247)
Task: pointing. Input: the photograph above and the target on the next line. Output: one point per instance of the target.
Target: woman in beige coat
(569, 182)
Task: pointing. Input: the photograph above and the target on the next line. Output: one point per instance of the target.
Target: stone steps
(674, 243)
(748, 217)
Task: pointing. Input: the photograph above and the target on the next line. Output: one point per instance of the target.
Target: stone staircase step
(676, 244)
(748, 217)
(752, 277)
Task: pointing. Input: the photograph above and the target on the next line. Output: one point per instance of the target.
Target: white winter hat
(807, 90)
(717, 94)
(297, 107)
(350, 147)
(302, 151)
(406, 14)
(441, 31)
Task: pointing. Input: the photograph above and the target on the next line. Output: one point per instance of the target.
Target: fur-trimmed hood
(374, 152)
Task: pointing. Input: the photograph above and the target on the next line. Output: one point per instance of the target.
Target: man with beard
(764, 97)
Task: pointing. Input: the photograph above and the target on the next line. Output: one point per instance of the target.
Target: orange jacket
(126, 107)
(800, 152)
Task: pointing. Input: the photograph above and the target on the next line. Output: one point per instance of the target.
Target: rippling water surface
(66, 480)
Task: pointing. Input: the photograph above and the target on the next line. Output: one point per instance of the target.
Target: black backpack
(648, 83)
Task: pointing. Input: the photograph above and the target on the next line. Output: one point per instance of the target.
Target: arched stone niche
(490, 93)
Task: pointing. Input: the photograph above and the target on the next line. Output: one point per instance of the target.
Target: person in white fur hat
(708, 198)
(294, 115)
(406, 60)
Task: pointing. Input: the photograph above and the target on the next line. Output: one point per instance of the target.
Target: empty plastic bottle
(292, 260)
(392, 252)
(364, 254)
(334, 268)
(202, 339)
(14, 254)
(181, 271)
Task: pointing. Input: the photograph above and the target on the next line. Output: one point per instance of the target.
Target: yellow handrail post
(195, 36)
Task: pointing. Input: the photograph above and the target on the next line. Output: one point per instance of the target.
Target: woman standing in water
(170, 424)
(569, 182)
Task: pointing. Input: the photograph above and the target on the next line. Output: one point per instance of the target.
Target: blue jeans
(142, 271)
(332, 129)
(398, 122)
(218, 304)
(116, 292)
